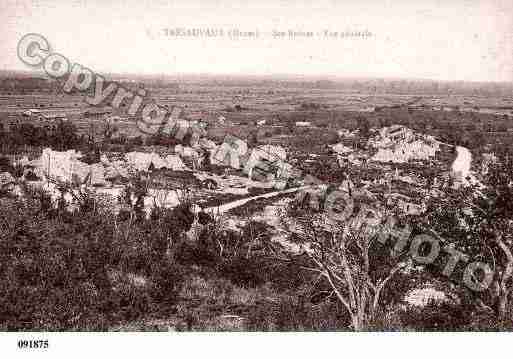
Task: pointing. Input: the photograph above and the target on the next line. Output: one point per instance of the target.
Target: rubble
(6, 179)
(399, 144)
(404, 152)
(114, 169)
(339, 148)
(421, 297)
(59, 165)
(97, 175)
(266, 154)
(142, 161)
(229, 154)
(303, 124)
(185, 151)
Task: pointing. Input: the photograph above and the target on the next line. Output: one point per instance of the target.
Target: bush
(5, 164)
(435, 316)
(56, 271)
(53, 272)
(294, 312)
(168, 280)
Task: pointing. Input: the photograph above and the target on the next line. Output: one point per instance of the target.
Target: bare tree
(351, 260)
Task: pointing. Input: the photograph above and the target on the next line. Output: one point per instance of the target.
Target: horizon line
(277, 76)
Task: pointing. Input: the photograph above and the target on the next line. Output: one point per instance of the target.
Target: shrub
(435, 316)
(168, 279)
(56, 270)
(293, 312)
(5, 164)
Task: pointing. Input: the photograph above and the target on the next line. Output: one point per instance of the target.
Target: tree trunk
(506, 276)
(357, 323)
(503, 305)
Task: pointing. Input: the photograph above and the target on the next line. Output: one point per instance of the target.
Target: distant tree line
(61, 135)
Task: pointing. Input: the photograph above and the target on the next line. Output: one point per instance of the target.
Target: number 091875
(33, 344)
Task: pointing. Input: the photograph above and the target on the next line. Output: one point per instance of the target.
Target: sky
(470, 40)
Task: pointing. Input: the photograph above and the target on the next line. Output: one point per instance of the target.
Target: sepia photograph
(317, 168)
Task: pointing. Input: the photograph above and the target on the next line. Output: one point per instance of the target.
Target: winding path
(240, 202)
(462, 163)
